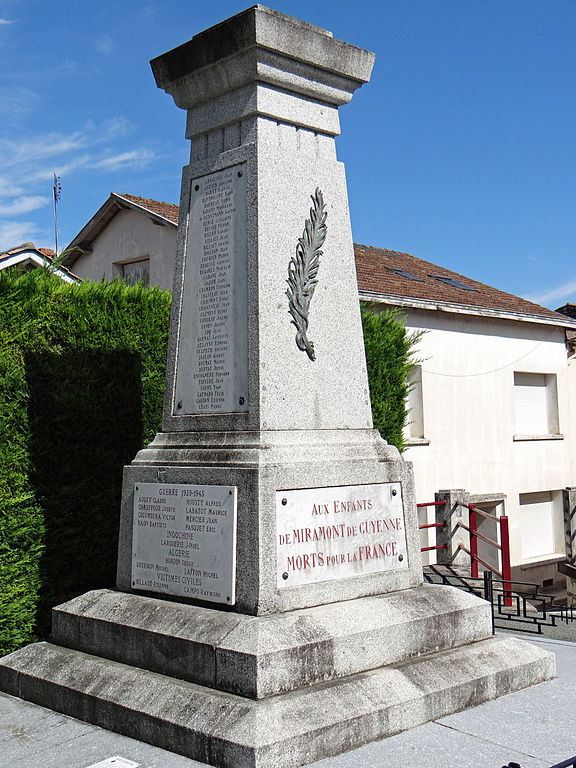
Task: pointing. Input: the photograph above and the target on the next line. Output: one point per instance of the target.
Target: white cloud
(555, 295)
(139, 157)
(5, 21)
(29, 150)
(29, 161)
(103, 45)
(7, 188)
(13, 233)
(15, 102)
(60, 169)
(23, 205)
(117, 127)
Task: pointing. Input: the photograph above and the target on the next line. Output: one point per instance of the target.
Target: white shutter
(536, 525)
(531, 403)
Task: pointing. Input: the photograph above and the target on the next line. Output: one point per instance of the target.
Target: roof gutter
(462, 309)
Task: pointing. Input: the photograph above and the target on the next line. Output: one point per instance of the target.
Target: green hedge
(389, 359)
(81, 386)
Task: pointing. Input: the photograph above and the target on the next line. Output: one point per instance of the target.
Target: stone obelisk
(270, 609)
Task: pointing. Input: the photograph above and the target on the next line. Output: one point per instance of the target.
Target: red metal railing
(443, 524)
(503, 547)
(472, 528)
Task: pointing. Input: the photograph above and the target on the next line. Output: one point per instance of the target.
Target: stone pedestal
(270, 608)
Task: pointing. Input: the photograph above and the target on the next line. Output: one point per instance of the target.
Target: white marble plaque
(184, 540)
(212, 365)
(339, 532)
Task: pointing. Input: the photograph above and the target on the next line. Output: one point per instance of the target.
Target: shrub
(82, 372)
(389, 359)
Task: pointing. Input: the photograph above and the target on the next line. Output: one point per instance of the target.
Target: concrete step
(259, 656)
(288, 730)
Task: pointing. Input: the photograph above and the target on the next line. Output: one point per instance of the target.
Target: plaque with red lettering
(184, 540)
(339, 532)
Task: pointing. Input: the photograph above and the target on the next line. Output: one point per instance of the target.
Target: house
(129, 237)
(27, 256)
(489, 406)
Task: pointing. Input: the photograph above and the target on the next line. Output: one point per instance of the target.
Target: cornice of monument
(261, 45)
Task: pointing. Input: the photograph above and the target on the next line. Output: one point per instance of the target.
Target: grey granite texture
(34, 737)
(259, 465)
(265, 45)
(533, 727)
(287, 730)
(260, 99)
(252, 113)
(257, 656)
(286, 389)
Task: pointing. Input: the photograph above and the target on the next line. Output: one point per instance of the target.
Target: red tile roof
(376, 278)
(167, 210)
(374, 267)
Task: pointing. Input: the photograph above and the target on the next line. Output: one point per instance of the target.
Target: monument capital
(266, 48)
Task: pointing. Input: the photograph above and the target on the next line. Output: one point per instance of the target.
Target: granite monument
(269, 609)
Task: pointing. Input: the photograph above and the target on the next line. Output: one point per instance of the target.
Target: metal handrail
(459, 524)
(443, 524)
(507, 606)
(478, 511)
(479, 559)
(503, 547)
(432, 504)
(570, 763)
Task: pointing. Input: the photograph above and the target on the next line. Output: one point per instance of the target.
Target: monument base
(276, 691)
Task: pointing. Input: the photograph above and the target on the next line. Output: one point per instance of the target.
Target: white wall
(130, 236)
(469, 416)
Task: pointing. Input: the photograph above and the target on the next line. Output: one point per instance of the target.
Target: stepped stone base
(259, 656)
(362, 670)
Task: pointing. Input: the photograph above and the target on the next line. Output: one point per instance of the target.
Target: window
(536, 524)
(454, 283)
(134, 271)
(536, 405)
(409, 275)
(414, 429)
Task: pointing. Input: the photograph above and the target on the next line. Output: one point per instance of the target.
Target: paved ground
(535, 728)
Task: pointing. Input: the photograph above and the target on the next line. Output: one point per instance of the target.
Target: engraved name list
(212, 366)
(184, 540)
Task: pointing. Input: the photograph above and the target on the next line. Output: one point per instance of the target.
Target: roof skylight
(455, 283)
(405, 274)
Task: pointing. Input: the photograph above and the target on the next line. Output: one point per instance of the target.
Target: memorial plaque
(339, 532)
(115, 762)
(184, 540)
(212, 372)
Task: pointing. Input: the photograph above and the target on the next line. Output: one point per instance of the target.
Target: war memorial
(269, 608)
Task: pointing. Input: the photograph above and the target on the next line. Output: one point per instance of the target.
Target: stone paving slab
(534, 727)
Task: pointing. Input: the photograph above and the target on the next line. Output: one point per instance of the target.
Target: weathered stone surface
(262, 656)
(263, 45)
(260, 464)
(287, 730)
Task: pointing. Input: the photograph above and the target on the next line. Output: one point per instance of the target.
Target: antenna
(56, 189)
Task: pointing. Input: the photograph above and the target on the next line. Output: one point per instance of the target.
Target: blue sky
(461, 150)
